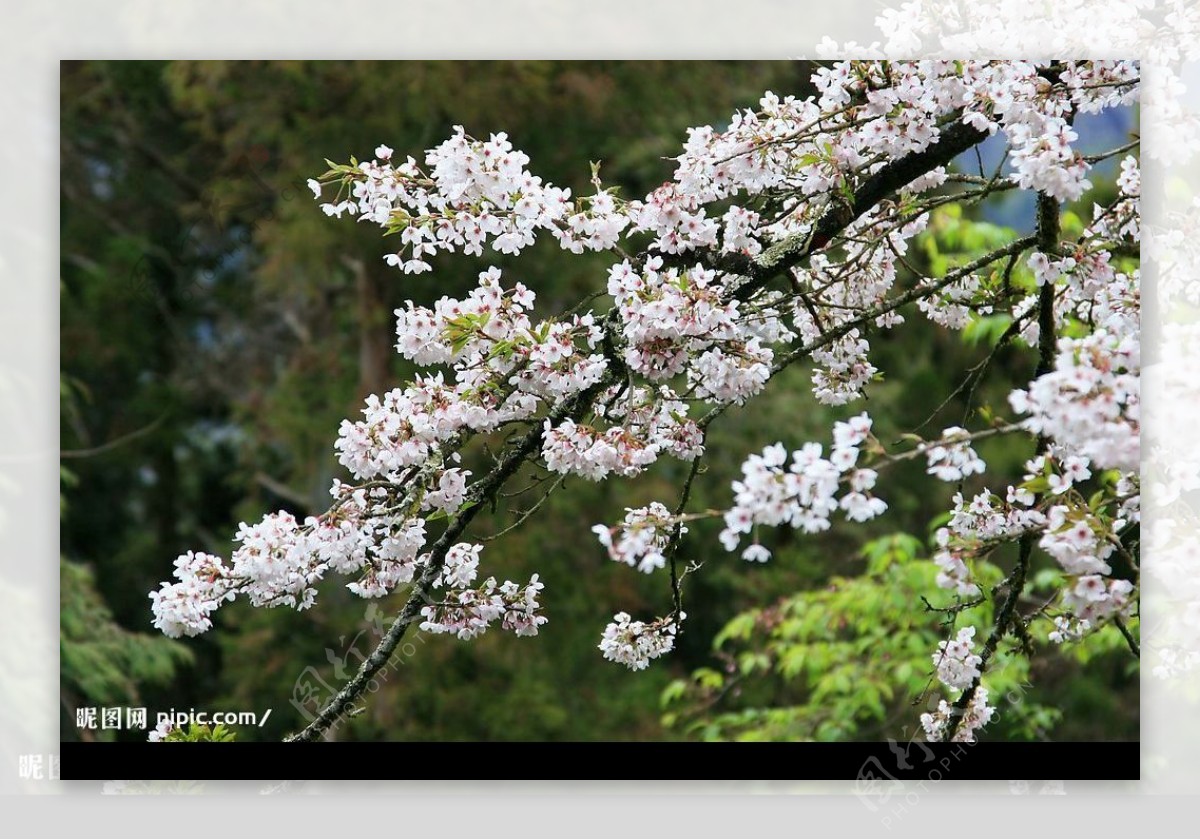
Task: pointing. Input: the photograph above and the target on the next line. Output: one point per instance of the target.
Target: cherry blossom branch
(1119, 150)
(956, 137)
(696, 302)
(1047, 235)
(482, 492)
(922, 449)
(1005, 615)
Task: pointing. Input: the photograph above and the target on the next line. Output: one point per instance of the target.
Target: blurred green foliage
(100, 662)
(217, 327)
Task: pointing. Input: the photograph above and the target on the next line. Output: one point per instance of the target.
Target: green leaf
(674, 690)
(739, 628)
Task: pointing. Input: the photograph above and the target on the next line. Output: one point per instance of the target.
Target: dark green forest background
(216, 327)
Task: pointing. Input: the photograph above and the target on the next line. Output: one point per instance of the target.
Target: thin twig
(1129, 640)
(114, 443)
(673, 542)
(525, 515)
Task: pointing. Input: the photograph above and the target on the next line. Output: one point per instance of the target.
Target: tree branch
(114, 443)
(955, 139)
(673, 543)
(483, 491)
(487, 488)
(1048, 232)
(1129, 640)
(283, 491)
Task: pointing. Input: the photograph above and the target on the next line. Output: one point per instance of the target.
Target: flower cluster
(987, 518)
(952, 568)
(1068, 630)
(642, 538)
(952, 305)
(1088, 407)
(957, 666)
(1012, 95)
(1093, 598)
(634, 643)
(952, 458)
(871, 110)
(504, 363)
(675, 321)
(1090, 403)
(837, 292)
(183, 608)
(977, 526)
(160, 731)
(977, 715)
(802, 495)
(1122, 220)
(279, 561)
(470, 193)
(643, 424)
(467, 611)
(1077, 540)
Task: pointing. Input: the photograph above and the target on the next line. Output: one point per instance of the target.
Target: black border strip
(873, 764)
